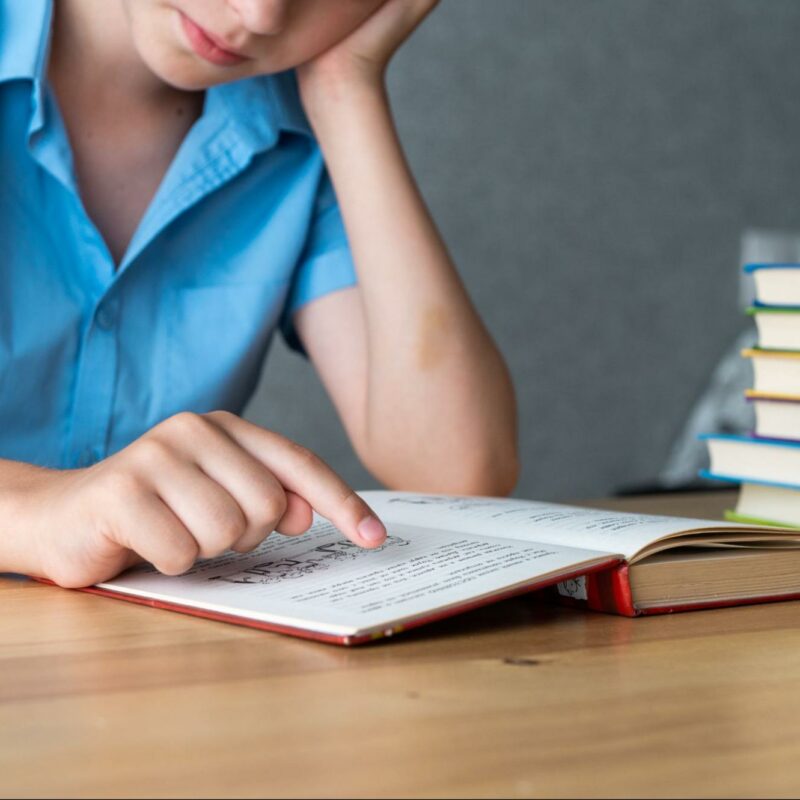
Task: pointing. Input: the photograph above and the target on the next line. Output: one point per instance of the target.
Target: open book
(445, 555)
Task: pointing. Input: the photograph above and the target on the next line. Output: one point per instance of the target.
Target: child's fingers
(396, 20)
(304, 473)
(298, 517)
(257, 492)
(152, 531)
(207, 509)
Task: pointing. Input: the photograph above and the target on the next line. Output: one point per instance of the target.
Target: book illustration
(314, 560)
(575, 588)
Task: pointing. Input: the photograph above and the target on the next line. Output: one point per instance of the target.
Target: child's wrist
(21, 548)
(327, 97)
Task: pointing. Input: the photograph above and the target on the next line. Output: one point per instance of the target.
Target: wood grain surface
(100, 698)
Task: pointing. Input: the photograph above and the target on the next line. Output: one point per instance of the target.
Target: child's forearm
(437, 384)
(18, 548)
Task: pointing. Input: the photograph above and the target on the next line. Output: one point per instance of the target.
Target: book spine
(608, 591)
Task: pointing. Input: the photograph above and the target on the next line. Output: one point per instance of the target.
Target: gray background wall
(592, 165)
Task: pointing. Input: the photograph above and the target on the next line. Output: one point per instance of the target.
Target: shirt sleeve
(325, 264)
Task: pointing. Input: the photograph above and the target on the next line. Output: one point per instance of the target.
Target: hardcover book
(767, 504)
(778, 327)
(776, 284)
(776, 372)
(777, 416)
(445, 555)
(751, 459)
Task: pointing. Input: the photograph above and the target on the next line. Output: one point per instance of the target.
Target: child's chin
(185, 71)
(188, 72)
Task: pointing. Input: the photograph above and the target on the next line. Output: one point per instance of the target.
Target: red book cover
(609, 591)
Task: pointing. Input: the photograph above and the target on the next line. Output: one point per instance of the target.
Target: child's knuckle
(153, 453)
(187, 424)
(307, 459)
(220, 416)
(274, 507)
(229, 525)
(120, 483)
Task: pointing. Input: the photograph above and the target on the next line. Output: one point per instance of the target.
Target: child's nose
(262, 16)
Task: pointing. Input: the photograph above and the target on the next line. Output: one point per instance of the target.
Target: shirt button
(106, 317)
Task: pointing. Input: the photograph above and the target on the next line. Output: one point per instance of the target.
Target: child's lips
(207, 47)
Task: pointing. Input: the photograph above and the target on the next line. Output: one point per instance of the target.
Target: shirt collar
(260, 108)
(24, 38)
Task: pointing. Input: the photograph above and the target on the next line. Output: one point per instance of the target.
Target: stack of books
(767, 462)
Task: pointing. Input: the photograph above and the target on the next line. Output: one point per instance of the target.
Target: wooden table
(103, 698)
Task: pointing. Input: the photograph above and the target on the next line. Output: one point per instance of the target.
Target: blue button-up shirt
(243, 230)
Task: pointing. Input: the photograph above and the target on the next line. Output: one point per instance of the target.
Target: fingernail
(371, 529)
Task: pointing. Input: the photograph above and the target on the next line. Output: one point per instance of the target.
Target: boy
(167, 200)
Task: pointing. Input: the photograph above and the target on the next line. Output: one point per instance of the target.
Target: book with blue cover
(776, 284)
(753, 459)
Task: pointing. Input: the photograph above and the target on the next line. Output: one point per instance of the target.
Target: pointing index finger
(306, 474)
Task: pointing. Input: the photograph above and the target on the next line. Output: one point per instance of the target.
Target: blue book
(751, 459)
(776, 284)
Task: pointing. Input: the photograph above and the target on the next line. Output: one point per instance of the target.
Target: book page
(323, 582)
(528, 520)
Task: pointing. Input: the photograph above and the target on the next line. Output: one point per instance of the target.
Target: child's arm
(423, 392)
(193, 486)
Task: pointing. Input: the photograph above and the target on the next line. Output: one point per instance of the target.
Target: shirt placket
(91, 400)
(96, 378)
(213, 155)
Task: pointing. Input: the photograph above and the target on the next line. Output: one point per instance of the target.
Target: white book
(777, 416)
(775, 372)
(753, 460)
(443, 555)
(778, 328)
(776, 284)
(767, 504)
